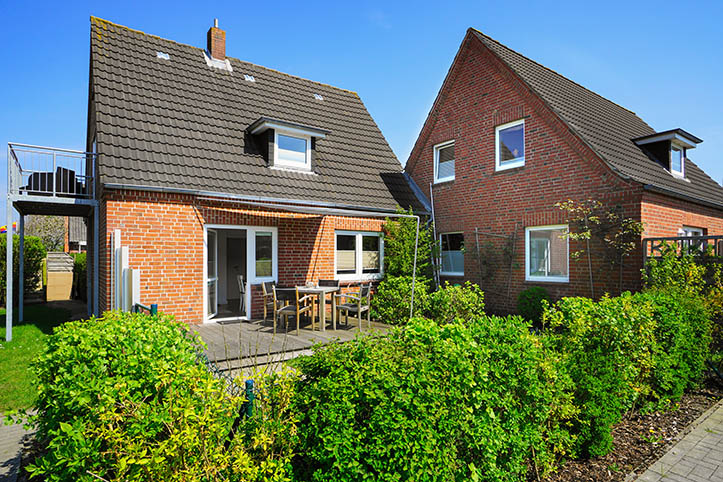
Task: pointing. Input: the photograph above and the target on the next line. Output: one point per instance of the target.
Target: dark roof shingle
(179, 123)
(608, 128)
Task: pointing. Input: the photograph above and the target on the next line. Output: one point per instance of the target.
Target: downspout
(414, 268)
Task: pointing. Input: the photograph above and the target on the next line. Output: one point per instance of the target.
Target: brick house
(507, 138)
(210, 168)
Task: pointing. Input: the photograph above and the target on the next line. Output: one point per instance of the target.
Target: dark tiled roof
(179, 123)
(606, 127)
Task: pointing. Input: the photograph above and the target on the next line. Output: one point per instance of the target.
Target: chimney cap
(215, 22)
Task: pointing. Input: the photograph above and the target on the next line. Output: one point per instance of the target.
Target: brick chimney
(216, 41)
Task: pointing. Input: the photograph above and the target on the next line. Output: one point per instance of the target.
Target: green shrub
(123, 397)
(606, 350)
(428, 402)
(682, 341)
(390, 303)
(34, 254)
(529, 303)
(687, 270)
(80, 276)
(399, 243)
(452, 302)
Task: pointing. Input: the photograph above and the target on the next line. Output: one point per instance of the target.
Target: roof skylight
(318, 97)
(250, 78)
(163, 55)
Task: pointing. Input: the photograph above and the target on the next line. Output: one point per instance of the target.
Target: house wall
(664, 216)
(164, 233)
(479, 94)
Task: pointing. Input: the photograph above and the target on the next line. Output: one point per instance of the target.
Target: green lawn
(17, 382)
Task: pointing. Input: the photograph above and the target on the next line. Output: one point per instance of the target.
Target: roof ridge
(102, 20)
(554, 72)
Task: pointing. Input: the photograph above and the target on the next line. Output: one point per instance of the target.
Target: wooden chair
(361, 302)
(267, 289)
(288, 303)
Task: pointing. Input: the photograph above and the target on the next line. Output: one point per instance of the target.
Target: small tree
(616, 234)
(50, 230)
(34, 254)
(399, 237)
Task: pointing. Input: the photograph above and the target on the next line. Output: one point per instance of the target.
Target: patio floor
(242, 344)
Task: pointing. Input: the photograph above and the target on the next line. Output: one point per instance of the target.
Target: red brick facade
(165, 235)
(480, 93)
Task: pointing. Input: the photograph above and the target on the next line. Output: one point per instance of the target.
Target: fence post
(154, 309)
(249, 404)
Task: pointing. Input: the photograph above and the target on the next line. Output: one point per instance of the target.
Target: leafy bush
(80, 276)
(529, 303)
(399, 238)
(390, 303)
(452, 302)
(34, 254)
(428, 402)
(605, 348)
(123, 398)
(682, 341)
(676, 270)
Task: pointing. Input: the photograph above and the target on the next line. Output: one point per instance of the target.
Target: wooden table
(321, 292)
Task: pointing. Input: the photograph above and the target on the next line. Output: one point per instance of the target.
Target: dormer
(288, 145)
(668, 148)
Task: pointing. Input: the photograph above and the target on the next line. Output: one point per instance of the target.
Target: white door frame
(250, 275)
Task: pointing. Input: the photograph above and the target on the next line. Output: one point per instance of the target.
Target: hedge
(34, 254)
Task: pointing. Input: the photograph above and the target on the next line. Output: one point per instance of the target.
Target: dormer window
(287, 145)
(292, 151)
(668, 149)
(677, 160)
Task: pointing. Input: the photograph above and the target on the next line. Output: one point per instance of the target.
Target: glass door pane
(212, 272)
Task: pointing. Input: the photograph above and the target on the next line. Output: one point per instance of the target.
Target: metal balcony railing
(50, 172)
(652, 247)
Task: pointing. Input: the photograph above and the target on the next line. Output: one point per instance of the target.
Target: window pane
(211, 253)
(445, 162)
(452, 253)
(548, 253)
(292, 149)
(512, 143)
(264, 254)
(370, 254)
(676, 159)
(345, 253)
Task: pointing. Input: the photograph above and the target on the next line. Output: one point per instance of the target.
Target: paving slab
(11, 444)
(697, 457)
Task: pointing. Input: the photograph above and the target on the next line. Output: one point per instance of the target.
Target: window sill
(443, 181)
(300, 170)
(512, 168)
(547, 280)
(354, 278)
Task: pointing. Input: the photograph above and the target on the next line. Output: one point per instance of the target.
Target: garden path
(697, 457)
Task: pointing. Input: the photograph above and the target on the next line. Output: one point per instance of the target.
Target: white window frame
(437, 148)
(546, 279)
(359, 275)
(441, 264)
(518, 162)
(250, 255)
(280, 162)
(691, 231)
(680, 173)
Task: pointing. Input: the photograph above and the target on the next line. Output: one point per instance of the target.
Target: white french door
(212, 273)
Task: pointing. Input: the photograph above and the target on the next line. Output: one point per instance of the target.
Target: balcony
(47, 180)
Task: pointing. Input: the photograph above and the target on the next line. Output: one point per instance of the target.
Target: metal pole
(435, 264)
(21, 267)
(414, 269)
(96, 247)
(9, 258)
(88, 284)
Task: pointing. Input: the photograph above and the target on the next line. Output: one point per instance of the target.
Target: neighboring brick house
(210, 168)
(507, 138)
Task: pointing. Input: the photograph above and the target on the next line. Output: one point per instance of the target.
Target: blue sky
(659, 59)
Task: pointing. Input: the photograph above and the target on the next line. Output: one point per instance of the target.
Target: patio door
(212, 272)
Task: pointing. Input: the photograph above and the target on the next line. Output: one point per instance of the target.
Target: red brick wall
(164, 233)
(479, 94)
(663, 216)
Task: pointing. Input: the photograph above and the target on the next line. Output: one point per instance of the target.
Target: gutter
(240, 197)
(675, 194)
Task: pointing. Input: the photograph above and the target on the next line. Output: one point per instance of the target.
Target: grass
(17, 382)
